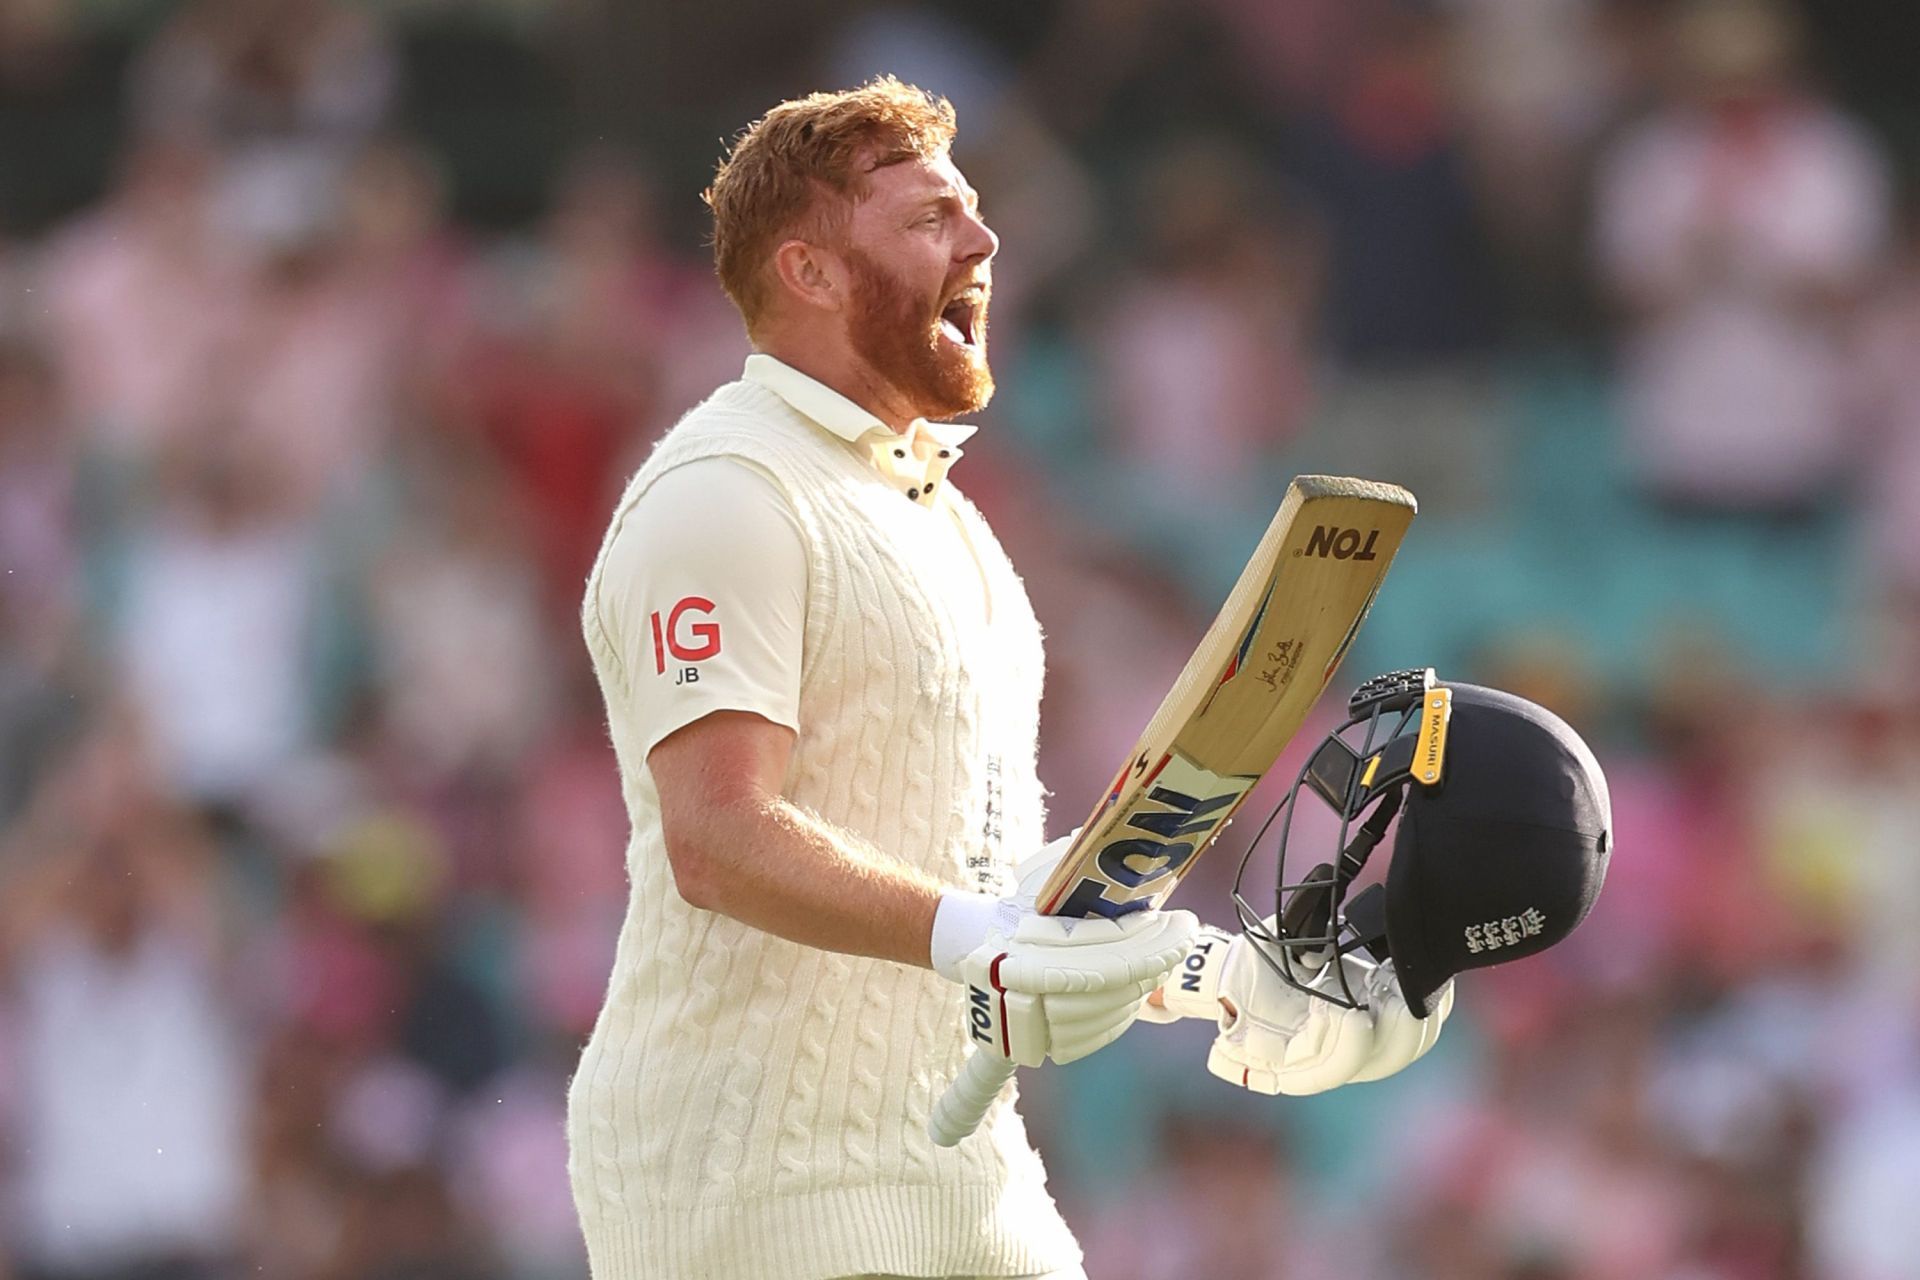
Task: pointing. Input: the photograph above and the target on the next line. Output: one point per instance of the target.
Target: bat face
(1157, 826)
(1264, 662)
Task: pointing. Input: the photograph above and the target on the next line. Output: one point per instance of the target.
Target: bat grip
(964, 1105)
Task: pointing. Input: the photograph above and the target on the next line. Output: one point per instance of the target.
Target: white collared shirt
(917, 460)
(711, 561)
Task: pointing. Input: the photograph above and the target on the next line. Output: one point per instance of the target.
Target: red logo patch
(697, 642)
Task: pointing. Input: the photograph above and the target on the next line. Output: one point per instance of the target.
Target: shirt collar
(916, 460)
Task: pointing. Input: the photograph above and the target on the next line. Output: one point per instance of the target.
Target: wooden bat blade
(1257, 672)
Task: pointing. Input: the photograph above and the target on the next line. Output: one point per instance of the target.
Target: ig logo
(695, 642)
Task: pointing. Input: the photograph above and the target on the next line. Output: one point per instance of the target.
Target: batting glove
(1042, 987)
(1277, 1039)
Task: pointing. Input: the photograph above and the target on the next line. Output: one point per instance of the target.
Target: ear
(811, 275)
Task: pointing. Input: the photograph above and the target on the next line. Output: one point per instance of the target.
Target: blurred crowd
(310, 832)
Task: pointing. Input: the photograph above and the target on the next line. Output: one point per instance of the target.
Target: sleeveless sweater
(748, 1108)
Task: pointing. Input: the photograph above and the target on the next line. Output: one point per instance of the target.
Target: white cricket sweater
(751, 1109)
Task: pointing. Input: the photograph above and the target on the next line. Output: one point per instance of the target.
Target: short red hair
(796, 170)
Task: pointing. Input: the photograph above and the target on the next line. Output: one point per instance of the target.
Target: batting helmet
(1505, 830)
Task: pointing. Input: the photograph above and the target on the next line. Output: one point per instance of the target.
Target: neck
(851, 376)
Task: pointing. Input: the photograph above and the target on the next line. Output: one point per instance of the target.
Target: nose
(979, 243)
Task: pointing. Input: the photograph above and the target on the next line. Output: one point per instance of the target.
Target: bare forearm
(773, 865)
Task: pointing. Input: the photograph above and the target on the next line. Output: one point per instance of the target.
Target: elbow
(701, 850)
(705, 834)
(695, 878)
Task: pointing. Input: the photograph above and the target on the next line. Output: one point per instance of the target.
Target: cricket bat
(1261, 666)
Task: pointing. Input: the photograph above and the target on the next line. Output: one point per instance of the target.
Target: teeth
(952, 331)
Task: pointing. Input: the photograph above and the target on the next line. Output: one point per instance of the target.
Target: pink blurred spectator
(573, 377)
(321, 974)
(1538, 81)
(1554, 1166)
(1697, 885)
(296, 1213)
(466, 664)
(283, 91)
(1736, 225)
(39, 529)
(128, 1149)
(508, 1154)
(1863, 1225)
(1838, 812)
(142, 301)
(213, 636)
(1887, 380)
(343, 318)
(397, 241)
(403, 1225)
(569, 876)
(1202, 348)
(1220, 1206)
(296, 334)
(1102, 613)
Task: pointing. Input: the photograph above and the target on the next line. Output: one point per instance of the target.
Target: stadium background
(328, 332)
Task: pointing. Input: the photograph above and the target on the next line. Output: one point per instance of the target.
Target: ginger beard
(905, 339)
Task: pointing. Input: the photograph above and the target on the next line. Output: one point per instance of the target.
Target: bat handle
(964, 1105)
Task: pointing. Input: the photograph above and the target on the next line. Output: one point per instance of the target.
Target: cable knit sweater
(751, 1109)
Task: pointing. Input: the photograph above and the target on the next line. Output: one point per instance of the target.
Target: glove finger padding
(1400, 1039)
(1076, 1041)
(1280, 1039)
(1061, 989)
(1323, 1050)
(1096, 1006)
(1050, 955)
(1079, 1024)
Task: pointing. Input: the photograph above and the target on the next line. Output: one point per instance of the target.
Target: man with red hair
(823, 682)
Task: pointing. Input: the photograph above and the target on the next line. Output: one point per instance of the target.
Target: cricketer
(822, 680)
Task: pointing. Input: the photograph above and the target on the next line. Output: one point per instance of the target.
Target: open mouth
(960, 319)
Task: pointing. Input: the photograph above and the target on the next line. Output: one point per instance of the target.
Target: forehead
(917, 179)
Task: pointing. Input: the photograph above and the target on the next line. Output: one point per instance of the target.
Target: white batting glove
(1042, 987)
(1275, 1038)
(1192, 990)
